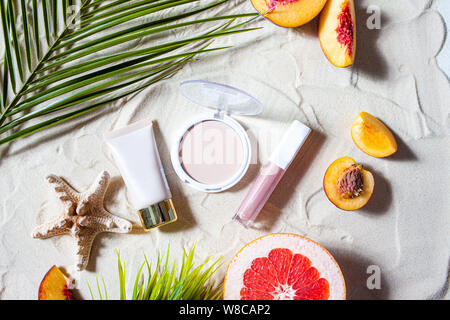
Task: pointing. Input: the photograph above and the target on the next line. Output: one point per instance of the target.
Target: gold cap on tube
(158, 214)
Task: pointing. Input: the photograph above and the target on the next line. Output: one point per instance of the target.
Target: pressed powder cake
(211, 152)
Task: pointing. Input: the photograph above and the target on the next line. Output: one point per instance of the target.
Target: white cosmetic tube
(136, 155)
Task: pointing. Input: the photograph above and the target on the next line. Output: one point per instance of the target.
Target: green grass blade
(99, 290)
(186, 267)
(90, 290)
(195, 282)
(123, 294)
(104, 288)
(152, 283)
(146, 291)
(169, 284)
(164, 284)
(137, 288)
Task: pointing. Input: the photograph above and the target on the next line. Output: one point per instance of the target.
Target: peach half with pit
(372, 136)
(347, 184)
(337, 32)
(289, 13)
(55, 286)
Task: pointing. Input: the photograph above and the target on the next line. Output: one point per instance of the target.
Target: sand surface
(404, 229)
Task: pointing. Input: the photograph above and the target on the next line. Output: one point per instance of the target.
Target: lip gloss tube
(271, 173)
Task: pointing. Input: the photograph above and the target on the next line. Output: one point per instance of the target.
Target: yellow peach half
(345, 191)
(372, 136)
(289, 13)
(337, 32)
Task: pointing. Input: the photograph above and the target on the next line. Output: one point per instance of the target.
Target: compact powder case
(212, 152)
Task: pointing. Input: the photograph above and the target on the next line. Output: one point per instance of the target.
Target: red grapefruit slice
(283, 266)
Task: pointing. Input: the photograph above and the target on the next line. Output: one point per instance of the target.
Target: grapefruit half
(283, 266)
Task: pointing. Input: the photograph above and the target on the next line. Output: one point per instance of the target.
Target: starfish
(83, 216)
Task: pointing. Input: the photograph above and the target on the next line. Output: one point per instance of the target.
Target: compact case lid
(220, 97)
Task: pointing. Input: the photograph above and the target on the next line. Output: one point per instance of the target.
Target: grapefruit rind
(320, 258)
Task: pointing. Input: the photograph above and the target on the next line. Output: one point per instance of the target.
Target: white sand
(404, 229)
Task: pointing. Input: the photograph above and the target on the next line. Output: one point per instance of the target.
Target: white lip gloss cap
(290, 144)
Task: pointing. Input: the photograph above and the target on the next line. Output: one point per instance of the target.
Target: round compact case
(212, 152)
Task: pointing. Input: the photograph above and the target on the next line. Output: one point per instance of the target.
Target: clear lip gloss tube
(271, 173)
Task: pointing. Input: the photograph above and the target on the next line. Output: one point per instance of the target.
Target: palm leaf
(166, 282)
(71, 64)
(26, 33)
(37, 42)
(8, 48)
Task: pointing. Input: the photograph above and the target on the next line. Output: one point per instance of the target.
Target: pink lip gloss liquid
(272, 173)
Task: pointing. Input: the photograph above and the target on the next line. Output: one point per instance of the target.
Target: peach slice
(289, 13)
(347, 185)
(372, 136)
(55, 286)
(337, 32)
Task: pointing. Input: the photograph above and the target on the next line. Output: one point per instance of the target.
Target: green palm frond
(59, 64)
(165, 282)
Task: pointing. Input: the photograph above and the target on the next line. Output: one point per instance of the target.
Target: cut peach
(289, 13)
(372, 136)
(347, 185)
(55, 286)
(337, 32)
